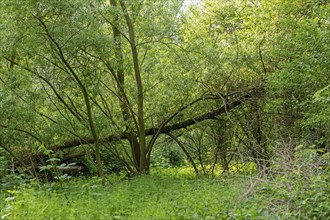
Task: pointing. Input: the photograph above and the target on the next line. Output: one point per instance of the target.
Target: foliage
(57, 171)
(111, 164)
(3, 163)
(299, 194)
(13, 180)
(318, 118)
(166, 155)
(168, 197)
(95, 82)
(303, 67)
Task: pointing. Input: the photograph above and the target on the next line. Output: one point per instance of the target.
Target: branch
(6, 148)
(260, 55)
(60, 98)
(155, 130)
(22, 131)
(166, 121)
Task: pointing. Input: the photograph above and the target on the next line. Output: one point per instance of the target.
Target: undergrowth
(302, 192)
(161, 195)
(298, 192)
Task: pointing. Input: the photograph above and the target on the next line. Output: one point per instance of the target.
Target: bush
(3, 165)
(167, 157)
(110, 163)
(11, 181)
(302, 193)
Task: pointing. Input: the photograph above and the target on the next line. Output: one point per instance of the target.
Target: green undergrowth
(162, 195)
(300, 191)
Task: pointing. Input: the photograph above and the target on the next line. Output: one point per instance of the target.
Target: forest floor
(162, 195)
(172, 194)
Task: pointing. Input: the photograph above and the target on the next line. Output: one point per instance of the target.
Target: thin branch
(23, 131)
(113, 26)
(60, 98)
(15, 157)
(260, 55)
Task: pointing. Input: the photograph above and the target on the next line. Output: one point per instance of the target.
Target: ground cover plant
(178, 193)
(299, 193)
(159, 196)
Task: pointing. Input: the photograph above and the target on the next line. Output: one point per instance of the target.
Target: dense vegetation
(164, 109)
(168, 197)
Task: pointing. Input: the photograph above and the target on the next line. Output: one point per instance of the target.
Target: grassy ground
(165, 195)
(297, 191)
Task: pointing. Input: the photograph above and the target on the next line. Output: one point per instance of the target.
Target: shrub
(3, 164)
(302, 193)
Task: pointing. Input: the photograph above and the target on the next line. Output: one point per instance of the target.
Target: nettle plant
(58, 172)
(55, 170)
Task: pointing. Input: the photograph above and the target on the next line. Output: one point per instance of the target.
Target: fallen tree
(228, 105)
(229, 102)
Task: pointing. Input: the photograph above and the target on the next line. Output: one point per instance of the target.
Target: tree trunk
(143, 165)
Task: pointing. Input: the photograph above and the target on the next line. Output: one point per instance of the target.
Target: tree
(302, 70)
(74, 59)
(114, 75)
